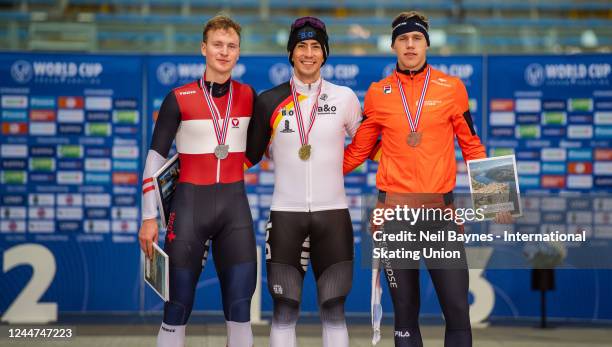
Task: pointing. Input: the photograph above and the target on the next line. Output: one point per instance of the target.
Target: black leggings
(294, 239)
(452, 288)
(450, 279)
(219, 213)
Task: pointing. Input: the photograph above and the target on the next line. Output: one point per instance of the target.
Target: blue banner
(76, 129)
(71, 135)
(555, 114)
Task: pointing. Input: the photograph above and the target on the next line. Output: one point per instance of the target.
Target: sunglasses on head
(312, 21)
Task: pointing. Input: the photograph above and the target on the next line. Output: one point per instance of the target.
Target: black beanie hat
(308, 28)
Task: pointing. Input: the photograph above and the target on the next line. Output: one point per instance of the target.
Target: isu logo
(279, 73)
(167, 73)
(235, 123)
(534, 75)
(22, 71)
(277, 289)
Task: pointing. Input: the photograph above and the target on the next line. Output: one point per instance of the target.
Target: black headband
(405, 25)
(308, 32)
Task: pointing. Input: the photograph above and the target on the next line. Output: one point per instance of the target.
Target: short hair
(411, 14)
(220, 22)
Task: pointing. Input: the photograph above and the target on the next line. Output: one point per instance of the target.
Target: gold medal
(413, 139)
(304, 152)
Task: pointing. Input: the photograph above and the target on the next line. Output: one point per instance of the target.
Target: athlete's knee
(237, 286)
(182, 290)
(457, 316)
(285, 285)
(333, 286)
(405, 309)
(286, 312)
(332, 311)
(405, 305)
(456, 312)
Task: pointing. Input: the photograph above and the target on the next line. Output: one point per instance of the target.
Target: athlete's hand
(147, 235)
(503, 218)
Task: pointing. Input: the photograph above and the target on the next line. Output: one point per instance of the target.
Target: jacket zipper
(308, 174)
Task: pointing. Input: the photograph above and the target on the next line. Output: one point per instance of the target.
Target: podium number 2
(26, 308)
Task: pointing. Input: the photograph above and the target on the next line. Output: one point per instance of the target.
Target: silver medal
(221, 151)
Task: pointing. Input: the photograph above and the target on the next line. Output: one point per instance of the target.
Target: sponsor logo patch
(69, 199)
(69, 177)
(14, 101)
(501, 118)
(43, 128)
(70, 116)
(42, 116)
(553, 181)
(70, 129)
(71, 102)
(98, 103)
(14, 128)
(500, 105)
(128, 178)
(553, 154)
(580, 181)
(13, 151)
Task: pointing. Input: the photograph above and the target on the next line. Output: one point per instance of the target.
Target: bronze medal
(413, 139)
(304, 152)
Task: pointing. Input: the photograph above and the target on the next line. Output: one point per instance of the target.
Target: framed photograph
(156, 272)
(165, 181)
(494, 185)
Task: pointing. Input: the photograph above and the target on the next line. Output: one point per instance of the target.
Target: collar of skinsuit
(218, 89)
(411, 72)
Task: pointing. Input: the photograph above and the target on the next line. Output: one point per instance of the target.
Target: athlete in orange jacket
(418, 111)
(428, 166)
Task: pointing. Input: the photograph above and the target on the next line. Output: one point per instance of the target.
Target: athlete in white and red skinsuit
(210, 202)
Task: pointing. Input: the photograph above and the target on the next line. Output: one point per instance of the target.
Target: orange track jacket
(429, 167)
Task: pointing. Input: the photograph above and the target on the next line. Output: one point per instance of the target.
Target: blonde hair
(220, 22)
